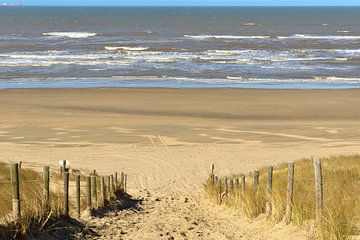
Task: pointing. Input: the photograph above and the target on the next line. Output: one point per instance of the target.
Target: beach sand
(166, 139)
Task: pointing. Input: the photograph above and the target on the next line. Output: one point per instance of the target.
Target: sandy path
(182, 216)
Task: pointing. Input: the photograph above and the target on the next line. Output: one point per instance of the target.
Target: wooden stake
(116, 181)
(256, 181)
(88, 194)
(78, 193)
(103, 190)
(94, 188)
(319, 195)
(226, 187)
(112, 184)
(243, 184)
(269, 191)
(15, 189)
(66, 193)
(219, 191)
(108, 188)
(289, 193)
(122, 181)
(46, 183)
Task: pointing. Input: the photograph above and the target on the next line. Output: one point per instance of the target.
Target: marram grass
(341, 185)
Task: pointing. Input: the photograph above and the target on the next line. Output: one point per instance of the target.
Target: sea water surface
(252, 47)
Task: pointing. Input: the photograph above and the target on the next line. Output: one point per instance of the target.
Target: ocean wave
(315, 79)
(110, 48)
(70, 34)
(325, 37)
(225, 37)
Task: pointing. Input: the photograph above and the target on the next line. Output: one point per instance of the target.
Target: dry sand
(166, 139)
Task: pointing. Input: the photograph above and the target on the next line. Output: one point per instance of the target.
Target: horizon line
(36, 5)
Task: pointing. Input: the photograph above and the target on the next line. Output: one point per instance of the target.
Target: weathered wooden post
(289, 193)
(94, 188)
(256, 181)
(269, 184)
(231, 185)
(116, 181)
(219, 192)
(66, 193)
(122, 181)
(226, 187)
(103, 190)
(108, 188)
(46, 186)
(212, 173)
(243, 184)
(319, 195)
(112, 184)
(78, 194)
(15, 189)
(237, 184)
(88, 194)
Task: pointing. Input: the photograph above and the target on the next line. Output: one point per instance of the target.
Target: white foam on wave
(325, 37)
(225, 37)
(110, 48)
(70, 34)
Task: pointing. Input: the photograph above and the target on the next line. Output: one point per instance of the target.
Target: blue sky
(191, 2)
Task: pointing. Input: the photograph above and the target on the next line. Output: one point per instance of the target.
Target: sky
(189, 2)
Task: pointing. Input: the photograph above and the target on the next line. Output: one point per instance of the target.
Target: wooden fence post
(269, 183)
(88, 194)
(15, 188)
(226, 187)
(237, 184)
(219, 192)
(243, 184)
(108, 188)
(231, 185)
(78, 194)
(256, 181)
(289, 193)
(94, 188)
(318, 189)
(212, 173)
(122, 181)
(46, 185)
(66, 193)
(116, 181)
(103, 190)
(112, 184)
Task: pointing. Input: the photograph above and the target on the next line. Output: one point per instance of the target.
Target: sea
(180, 47)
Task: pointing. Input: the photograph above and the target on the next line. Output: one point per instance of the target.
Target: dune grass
(34, 216)
(341, 183)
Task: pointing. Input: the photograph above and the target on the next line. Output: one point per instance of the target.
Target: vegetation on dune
(34, 215)
(341, 188)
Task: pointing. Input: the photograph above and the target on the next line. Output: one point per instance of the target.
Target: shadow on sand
(70, 228)
(122, 201)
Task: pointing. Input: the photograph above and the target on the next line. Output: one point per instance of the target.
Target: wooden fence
(74, 186)
(237, 184)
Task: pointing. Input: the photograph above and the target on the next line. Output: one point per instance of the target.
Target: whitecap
(110, 48)
(70, 34)
(225, 37)
(309, 36)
